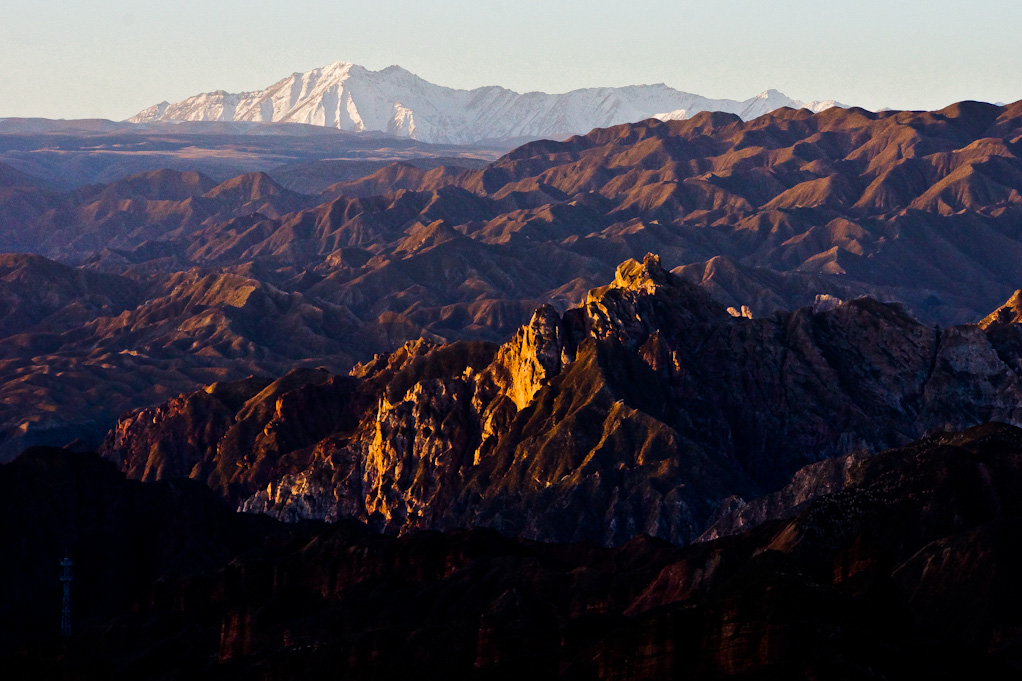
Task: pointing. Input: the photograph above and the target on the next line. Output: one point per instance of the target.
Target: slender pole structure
(65, 578)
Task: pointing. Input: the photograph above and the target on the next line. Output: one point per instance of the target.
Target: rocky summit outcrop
(1004, 329)
(641, 411)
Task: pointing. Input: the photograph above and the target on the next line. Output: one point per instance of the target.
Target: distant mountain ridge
(347, 96)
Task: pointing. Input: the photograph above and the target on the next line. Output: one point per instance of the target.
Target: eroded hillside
(639, 412)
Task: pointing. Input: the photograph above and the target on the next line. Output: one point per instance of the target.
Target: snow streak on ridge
(350, 97)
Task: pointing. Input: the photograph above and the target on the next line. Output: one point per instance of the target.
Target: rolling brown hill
(920, 207)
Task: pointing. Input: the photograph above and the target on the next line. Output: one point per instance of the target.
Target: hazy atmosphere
(112, 58)
(446, 340)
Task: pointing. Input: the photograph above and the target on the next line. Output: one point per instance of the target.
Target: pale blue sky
(112, 58)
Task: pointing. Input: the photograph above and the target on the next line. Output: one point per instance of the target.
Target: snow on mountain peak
(350, 97)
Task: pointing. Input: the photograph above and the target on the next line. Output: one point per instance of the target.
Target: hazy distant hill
(306, 158)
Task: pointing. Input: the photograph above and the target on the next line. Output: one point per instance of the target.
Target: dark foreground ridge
(910, 571)
(648, 409)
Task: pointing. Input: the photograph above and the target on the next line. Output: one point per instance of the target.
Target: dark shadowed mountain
(907, 571)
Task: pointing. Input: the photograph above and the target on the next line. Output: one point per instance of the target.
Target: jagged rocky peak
(633, 276)
(623, 309)
(1009, 313)
(643, 410)
(645, 299)
(645, 276)
(529, 360)
(1003, 328)
(650, 278)
(393, 361)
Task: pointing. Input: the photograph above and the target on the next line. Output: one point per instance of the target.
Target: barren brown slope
(913, 207)
(920, 207)
(82, 347)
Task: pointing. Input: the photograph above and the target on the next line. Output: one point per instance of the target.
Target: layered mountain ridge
(641, 411)
(789, 210)
(350, 97)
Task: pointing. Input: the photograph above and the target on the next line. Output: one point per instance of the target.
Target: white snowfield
(350, 97)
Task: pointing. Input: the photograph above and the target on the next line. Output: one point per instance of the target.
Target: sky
(113, 58)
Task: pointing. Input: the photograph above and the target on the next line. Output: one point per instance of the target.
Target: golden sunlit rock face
(641, 411)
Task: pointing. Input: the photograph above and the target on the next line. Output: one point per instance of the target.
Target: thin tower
(65, 578)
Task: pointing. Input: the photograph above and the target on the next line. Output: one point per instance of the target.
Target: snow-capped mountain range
(350, 97)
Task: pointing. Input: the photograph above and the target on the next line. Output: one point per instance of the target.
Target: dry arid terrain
(703, 398)
(220, 280)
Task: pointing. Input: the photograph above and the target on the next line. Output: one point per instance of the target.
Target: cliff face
(639, 412)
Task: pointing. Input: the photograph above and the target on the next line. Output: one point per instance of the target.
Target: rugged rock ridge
(1004, 329)
(917, 207)
(639, 412)
(1006, 315)
(736, 515)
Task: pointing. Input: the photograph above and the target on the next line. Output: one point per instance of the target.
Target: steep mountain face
(350, 97)
(639, 412)
(907, 571)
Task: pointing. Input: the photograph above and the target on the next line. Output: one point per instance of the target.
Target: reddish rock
(643, 411)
